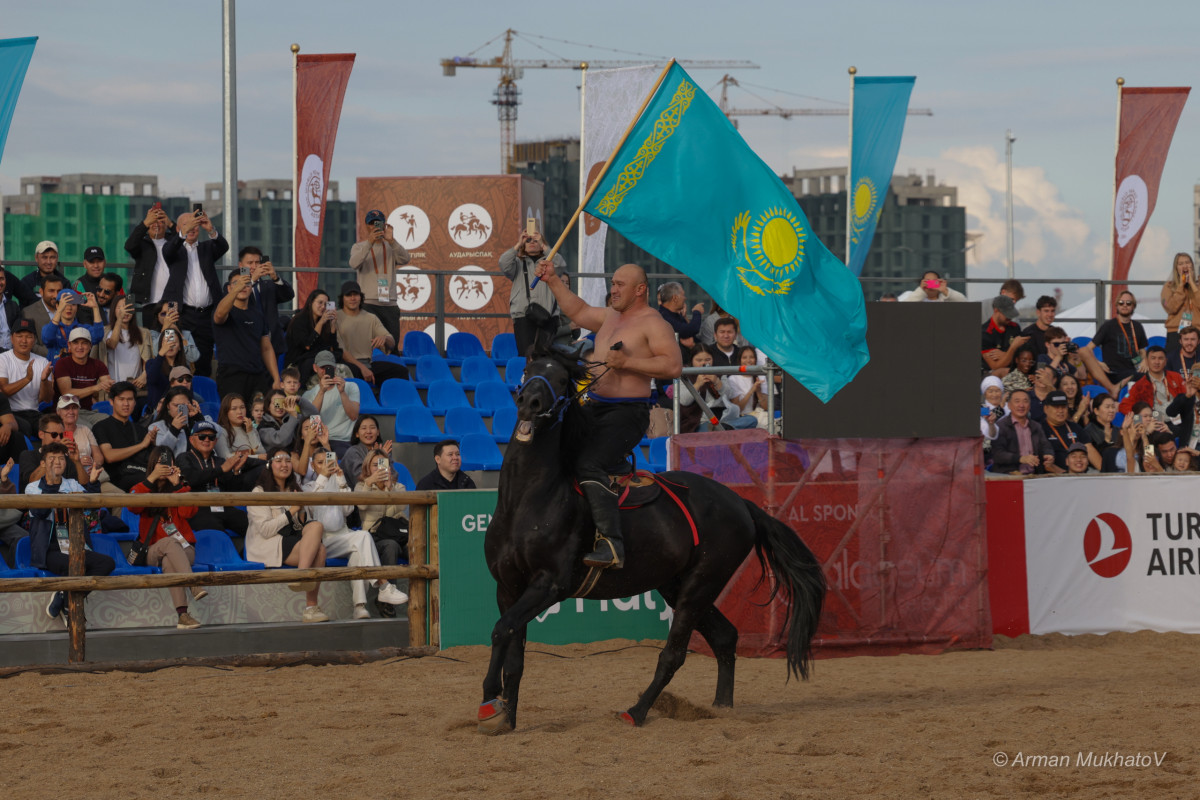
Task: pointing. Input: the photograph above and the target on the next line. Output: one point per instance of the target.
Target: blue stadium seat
(1082, 340)
(1118, 418)
(132, 520)
(503, 424)
(461, 346)
(205, 389)
(404, 476)
(1124, 391)
(514, 370)
(102, 407)
(430, 369)
(444, 395)
(1093, 389)
(657, 459)
(397, 392)
(111, 547)
(1161, 341)
(10, 572)
(21, 556)
(379, 355)
(504, 347)
(476, 370)
(461, 421)
(216, 553)
(367, 404)
(491, 396)
(417, 344)
(416, 424)
(479, 451)
(211, 410)
(337, 562)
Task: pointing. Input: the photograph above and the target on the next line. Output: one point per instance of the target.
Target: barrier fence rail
(422, 570)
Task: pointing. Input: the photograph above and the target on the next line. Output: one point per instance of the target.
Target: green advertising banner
(468, 593)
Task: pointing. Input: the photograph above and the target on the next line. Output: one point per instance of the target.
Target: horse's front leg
(498, 712)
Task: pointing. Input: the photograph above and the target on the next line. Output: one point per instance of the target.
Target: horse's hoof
(625, 716)
(493, 718)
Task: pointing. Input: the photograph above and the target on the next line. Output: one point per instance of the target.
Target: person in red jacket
(166, 530)
(1158, 387)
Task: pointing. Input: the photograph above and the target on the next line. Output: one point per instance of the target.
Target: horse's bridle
(558, 408)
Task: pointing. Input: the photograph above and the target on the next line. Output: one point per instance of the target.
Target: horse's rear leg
(669, 660)
(722, 637)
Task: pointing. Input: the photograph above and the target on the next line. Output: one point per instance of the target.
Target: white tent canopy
(1088, 329)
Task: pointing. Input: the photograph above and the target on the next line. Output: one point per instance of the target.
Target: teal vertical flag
(880, 106)
(687, 188)
(15, 55)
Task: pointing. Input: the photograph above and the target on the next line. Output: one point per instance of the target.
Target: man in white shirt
(337, 401)
(192, 283)
(376, 259)
(933, 289)
(25, 377)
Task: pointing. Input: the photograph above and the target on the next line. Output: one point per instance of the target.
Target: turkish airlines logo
(1130, 213)
(312, 193)
(1107, 545)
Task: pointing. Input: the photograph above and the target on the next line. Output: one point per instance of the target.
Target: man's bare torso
(631, 329)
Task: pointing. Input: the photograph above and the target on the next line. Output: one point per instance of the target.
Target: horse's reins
(561, 402)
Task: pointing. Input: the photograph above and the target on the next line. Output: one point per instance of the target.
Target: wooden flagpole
(850, 169)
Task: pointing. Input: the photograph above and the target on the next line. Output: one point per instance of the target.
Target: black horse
(542, 528)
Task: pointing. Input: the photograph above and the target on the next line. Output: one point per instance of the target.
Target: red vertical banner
(320, 87)
(1147, 124)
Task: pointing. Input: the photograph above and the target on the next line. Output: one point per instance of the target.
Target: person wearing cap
(337, 401)
(376, 260)
(1122, 342)
(81, 375)
(46, 256)
(269, 291)
(150, 272)
(1157, 387)
(204, 471)
(518, 264)
(94, 264)
(247, 365)
(1061, 432)
(192, 281)
(360, 333)
(1077, 461)
(25, 377)
(56, 334)
(80, 437)
(50, 430)
(933, 289)
(991, 408)
(1001, 337)
(1020, 446)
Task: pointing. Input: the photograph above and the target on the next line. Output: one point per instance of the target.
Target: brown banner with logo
(460, 224)
(320, 87)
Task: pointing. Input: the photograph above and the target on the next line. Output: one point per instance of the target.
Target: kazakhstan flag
(15, 55)
(880, 106)
(687, 188)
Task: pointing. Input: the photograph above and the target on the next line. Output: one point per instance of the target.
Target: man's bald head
(628, 287)
(632, 273)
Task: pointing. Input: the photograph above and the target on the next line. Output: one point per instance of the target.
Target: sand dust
(906, 726)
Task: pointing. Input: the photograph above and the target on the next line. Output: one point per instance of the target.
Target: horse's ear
(542, 339)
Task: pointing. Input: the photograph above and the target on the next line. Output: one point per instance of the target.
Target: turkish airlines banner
(1147, 124)
(1110, 553)
(320, 86)
(610, 99)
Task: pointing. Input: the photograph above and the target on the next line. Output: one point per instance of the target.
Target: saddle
(641, 488)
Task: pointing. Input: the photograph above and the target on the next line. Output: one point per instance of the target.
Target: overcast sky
(135, 87)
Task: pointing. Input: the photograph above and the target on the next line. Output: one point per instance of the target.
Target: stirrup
(601, 559)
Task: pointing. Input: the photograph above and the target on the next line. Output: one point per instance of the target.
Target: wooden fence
(422, 569)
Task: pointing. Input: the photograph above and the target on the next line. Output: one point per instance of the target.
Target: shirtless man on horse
(634, 345)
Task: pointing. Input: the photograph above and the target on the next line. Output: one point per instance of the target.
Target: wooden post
(435, 585)
(418, 630)
(77, 625)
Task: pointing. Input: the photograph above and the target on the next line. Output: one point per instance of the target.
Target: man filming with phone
(376, 260)
(150, 273)
(518, 265)
(933, 289)
(336, 400)
(248, 363)
(192, 282)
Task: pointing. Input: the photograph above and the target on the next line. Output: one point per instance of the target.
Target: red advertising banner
(1147, 124)
(320, 87)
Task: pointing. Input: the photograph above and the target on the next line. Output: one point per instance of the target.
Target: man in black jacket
(145, 243)
(11, 311)
(204, 472)
(192, 280)
(46, 255)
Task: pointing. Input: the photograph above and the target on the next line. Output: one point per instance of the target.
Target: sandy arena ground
(907, 726)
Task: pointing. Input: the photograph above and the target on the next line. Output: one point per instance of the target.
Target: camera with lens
(1072, 347)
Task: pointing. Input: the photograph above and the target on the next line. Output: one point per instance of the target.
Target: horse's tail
(797, 572)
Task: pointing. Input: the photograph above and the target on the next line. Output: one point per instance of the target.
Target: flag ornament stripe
(666, 124)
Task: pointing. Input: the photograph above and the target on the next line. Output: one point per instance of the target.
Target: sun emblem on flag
(865, 207)
(771, 247)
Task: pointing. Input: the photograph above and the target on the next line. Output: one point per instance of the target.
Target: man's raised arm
(571, 304)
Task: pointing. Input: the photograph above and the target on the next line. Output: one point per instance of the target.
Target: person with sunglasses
(204, 471)
(1122, 342)
(50, 430)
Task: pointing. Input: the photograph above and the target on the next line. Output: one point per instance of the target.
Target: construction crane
(786, 113)
(508, 95)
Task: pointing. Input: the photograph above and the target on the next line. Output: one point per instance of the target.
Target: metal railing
(768, 369)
